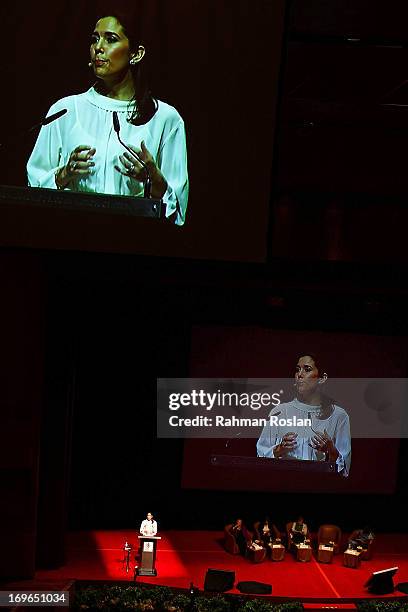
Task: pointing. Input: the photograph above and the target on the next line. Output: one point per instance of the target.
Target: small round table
(304, 552)
(351, 558)
(325, 553)
(277, 552)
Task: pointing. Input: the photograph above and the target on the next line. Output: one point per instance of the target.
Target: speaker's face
(306, 376)
(110, 51)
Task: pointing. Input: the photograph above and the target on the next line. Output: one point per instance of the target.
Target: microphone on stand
(45, 121)
(49, 119)
(148, 181)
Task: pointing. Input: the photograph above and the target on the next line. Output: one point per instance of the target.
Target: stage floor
(184, 556)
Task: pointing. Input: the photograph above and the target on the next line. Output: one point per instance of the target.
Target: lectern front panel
(147, 555)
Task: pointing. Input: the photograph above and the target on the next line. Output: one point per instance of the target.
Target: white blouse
(148, 528)
(337, 426)
(89, 121)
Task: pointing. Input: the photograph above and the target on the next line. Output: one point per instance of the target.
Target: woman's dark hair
(316, 360)
(327, 402)
(142, 106)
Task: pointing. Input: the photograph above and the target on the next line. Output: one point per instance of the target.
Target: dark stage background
(84, 336)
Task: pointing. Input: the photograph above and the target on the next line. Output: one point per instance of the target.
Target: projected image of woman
(328, 437)
(81, 151)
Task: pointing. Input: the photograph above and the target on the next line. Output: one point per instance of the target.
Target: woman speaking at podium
(81, 151)
(328, 436)
(149, 526)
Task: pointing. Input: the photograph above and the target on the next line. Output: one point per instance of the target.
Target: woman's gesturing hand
(79, 164)
(288, 444)
(133, 168)
(322, 442)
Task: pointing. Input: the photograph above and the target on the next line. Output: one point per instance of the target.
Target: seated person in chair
(361, 538)
(267, 532)
(298, 534)
(241, 534)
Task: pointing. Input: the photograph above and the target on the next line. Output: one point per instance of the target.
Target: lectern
(148, 557)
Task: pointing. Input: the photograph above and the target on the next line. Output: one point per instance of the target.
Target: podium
(41, 197)
(40, 218)
(256, 464)
(148, 557)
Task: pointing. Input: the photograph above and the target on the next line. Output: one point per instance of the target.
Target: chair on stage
(299, 540)
(270, 540)
(230, 543)
(289, 534)
(364, 540)
(327, 534)
(256, 531)
(274, 533)
(367, 553)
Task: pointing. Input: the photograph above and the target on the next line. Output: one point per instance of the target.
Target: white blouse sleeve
(172, 161)
(267, 441)
(264, 444)
(45, 158)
